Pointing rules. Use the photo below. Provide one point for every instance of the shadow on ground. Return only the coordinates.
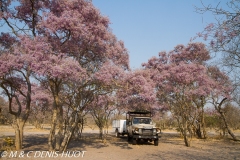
(36, 142)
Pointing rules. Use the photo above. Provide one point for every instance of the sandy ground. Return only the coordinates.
(171, 146)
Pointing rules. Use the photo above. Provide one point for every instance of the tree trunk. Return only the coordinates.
(186, 140)
(101, 132)
(200, 126)
(18, 143)
(21, 125)
(228, 128)
(183, 129)
(219, 109)
(68, 134)
(57, 118)
(81, 129)
(203, 126)
(59, 135)
(18, 127)
(51, 137)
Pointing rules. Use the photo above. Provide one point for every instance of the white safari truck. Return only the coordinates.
(119, 127)
(140, 127)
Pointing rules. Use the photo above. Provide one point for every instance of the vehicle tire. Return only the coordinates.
(117, 133)
(134, 141)
(129, 138)
(156, 142)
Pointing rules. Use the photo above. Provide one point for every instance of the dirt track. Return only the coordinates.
(171, 146)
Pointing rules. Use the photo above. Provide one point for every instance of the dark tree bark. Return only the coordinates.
(218, 107)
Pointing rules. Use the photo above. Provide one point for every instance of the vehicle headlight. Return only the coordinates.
(136, 130)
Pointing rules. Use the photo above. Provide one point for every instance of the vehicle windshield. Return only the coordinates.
(142, 121)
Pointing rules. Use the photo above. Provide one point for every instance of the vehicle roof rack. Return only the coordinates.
(140, 112)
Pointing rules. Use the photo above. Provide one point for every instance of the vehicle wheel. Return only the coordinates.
(134, 141)
(117, 133)
(156, 142)
(129, 138)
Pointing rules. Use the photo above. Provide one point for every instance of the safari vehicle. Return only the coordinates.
(140, 127)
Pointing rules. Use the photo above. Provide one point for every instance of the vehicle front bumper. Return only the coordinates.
(137, 136)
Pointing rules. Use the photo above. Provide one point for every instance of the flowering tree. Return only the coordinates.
(15, 81)
(182, 81)
(224, 37)
(63, 44)
(218, 97)
(224, 34)
(101, 109)
(137, 91)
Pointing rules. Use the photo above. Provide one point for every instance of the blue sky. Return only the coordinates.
(150, 26)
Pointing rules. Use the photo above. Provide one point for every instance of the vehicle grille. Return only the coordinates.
(147, 132)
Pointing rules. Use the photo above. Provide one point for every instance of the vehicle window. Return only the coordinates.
(135, 121)
(145, 121)
(142, 121)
